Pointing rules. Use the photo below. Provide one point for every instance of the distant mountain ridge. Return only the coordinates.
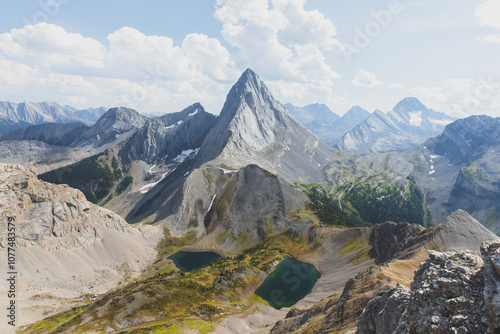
(409, 124)
(326, 124)
(458, 169)
(8, 124)
(48, 112)
(49, 133)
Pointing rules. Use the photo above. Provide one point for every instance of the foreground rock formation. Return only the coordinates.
(66, 248)
(445, 282)
(453, 292)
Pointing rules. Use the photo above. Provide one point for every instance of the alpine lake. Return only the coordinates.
(187, 260)
(291, 281)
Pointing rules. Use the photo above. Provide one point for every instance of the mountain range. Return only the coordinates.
(14, 116)
(328, 126)
(409, 124)
(256, 186)
(159, 154)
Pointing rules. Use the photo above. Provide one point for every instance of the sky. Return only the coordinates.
(160, 56)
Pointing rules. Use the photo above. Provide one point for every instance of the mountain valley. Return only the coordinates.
(122, 195)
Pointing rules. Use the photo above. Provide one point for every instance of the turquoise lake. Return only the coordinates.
(187, 261)
(291, 281)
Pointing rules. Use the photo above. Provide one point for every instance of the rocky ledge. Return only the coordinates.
(453, 292)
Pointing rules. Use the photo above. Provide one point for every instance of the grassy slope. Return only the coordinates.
(166, 299)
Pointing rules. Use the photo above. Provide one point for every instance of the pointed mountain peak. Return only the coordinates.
(249, 81)
(126, 117)
(122, 113)
(409, 104)
(357, 110)
(249, 91)
(248, 75)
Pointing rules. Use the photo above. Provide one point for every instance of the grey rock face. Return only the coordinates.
(465, 140)
(115, 123)
(382, 314)
(52, 216)
(50, 133)
(458, 170)
(255, 128)
(240, 203)
(446, 295)
(491, 293)
(461, 231)
(409, 124)
(248, 201)
(164, 138)
(390, 239)
(453, 292)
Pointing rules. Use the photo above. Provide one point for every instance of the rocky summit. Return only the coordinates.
(453, 292)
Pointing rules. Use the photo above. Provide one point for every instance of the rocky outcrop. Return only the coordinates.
(491, 293)
(66, 247)
(382, 314)
(53, 217)
(241, 204)
(390, 240)
(453, 292)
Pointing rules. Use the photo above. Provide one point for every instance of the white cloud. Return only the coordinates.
(282, 41)
(44, 62)
(366, 79)
(50, 45)
(489, 39)
(462, 97)
(306, 27)
(488, 14)
(206, 55)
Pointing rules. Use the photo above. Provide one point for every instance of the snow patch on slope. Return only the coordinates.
(416, 118)
(174, 125)
(191, 153)
(144, 189)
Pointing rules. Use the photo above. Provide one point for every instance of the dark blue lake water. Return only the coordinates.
(188, 261)
(291, 281)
